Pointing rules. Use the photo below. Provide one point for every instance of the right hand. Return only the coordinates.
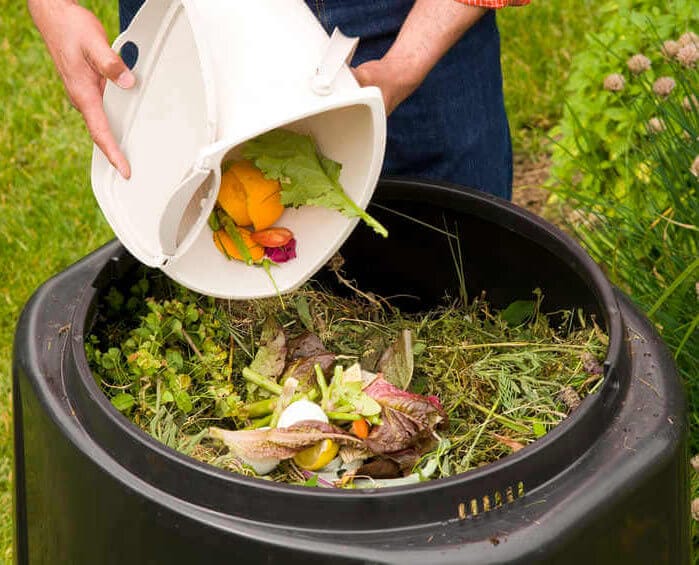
(80, 50)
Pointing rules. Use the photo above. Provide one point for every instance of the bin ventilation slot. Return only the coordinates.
(490, 501)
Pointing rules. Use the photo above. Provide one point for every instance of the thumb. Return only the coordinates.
(363, 75)
(107, 63)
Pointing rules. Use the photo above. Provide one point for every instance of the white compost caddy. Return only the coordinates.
(212, 74)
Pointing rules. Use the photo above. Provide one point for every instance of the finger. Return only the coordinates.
(90, 105)
(365, 77)
(107, 63)
(362, 75)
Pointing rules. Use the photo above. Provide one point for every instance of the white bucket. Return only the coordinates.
(212, 74)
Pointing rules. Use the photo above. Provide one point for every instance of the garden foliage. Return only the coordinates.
(615, 125)
(630, 138)
(627, 157)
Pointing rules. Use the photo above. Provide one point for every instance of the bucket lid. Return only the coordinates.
(182, 119)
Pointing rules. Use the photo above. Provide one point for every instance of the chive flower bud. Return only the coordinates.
(638, 64)
(656, 125)
(690, 103)
(614, 82)
(670, 48)
(664, 86)
(694, 169)
(688, 55)
(688, 38)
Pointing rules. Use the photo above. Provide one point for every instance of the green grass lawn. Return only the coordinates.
(49, 218)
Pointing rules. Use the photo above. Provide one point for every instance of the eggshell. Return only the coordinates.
(299, 411)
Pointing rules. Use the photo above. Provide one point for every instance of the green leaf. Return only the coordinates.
(539, 429)
(396, 363)
(306, 177)
(237, 239)
(304, 313)
(174, 359)
(312, 481)
(114, 298)
(123, 401)
(110, 359)
(270, 358)
(183, 401)
(518, 312)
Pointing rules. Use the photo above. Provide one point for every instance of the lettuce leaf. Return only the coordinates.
(271, 354)
(307, 178)
(280, 443)
(407, 418)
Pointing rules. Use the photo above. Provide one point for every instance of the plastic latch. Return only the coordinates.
(339, 51)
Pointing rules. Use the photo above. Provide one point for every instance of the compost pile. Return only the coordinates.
(346, 391)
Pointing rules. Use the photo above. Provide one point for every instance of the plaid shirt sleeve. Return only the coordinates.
(494, 3)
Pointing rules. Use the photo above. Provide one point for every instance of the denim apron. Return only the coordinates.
(453, 127)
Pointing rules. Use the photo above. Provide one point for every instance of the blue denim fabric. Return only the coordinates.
(127, 10)
(454, 127)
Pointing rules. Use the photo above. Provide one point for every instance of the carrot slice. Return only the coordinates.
(360, 428)
(272, 237)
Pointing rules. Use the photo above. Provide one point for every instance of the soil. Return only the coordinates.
(530, 174)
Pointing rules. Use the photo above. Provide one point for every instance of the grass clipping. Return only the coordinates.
(172, 362)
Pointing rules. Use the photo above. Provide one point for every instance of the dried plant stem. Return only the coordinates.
(191, 344)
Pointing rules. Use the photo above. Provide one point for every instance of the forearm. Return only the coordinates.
(429, 31)
(43, 11)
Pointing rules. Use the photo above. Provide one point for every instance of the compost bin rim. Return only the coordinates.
(601, 403)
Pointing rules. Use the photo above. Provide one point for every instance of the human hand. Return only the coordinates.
(79, 48)
(429, 31)
(396, 79)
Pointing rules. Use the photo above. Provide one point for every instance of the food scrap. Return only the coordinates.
(280, 169)
(337, 391)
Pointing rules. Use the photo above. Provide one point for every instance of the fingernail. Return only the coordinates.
(126, 79)
(124, 170)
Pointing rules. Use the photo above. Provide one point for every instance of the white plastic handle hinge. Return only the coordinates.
(339, 52)
(174, 212)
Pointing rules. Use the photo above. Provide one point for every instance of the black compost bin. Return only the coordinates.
(608, 485)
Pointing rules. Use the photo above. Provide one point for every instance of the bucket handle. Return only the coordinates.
(147, 20)
(171, 221)
(339, 52)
